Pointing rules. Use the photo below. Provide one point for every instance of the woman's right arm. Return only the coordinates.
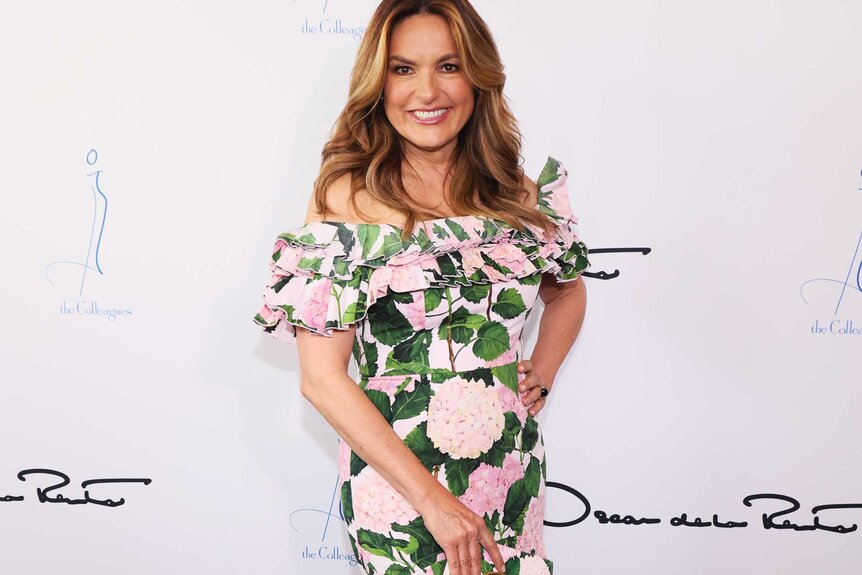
(326, 384)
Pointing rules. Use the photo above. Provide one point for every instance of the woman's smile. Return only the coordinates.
(430, 117)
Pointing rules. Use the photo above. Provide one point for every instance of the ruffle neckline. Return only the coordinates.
(339, 269)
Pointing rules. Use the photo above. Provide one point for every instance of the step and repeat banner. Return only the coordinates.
(707, 421)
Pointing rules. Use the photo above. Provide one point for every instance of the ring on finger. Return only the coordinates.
(544, 392)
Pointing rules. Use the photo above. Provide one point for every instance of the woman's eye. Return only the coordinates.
(401, 69)
(450, 67)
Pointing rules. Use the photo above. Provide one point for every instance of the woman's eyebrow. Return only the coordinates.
(404, 60)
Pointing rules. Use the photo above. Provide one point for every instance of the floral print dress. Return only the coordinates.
(438, 322)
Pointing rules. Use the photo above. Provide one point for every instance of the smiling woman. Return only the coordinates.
(424, 250)
(427, 98)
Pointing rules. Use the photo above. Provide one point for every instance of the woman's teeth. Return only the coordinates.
(429, 115)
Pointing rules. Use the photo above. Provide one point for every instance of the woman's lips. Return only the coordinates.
(430, 117)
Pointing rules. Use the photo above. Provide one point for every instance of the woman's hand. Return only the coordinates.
(531, 387)
(462, 534)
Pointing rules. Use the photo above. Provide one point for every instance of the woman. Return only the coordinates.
(424, 250)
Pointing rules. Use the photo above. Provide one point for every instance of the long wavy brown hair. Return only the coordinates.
(486, 175)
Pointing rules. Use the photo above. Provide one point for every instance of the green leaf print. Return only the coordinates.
(414, 348)
(448, 269)
(498, 451)
(389, 327)
(508, 375)
(531, 280)
(433, 297)
(353, 312)
(396, 569)
(418, 442)
(368, 363)
(515, 508)
(509, 304)
(530, 434)
(476, 293)
(458, 230)
(347, 502)
(549, 173)
(368, 234)
(312, 264)
(307, 239)
(492, 341)
(457, 323)
(428, 549)
(380, 401)
(513, 566)
(340, 266)
(458, 474)
(401, 297)
(357, 464)
(411, 404)
(376, 543)
(345, 237)
(439, 231)
(391, 244)
(532, 478)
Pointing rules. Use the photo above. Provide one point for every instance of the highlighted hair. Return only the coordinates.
(486, 162)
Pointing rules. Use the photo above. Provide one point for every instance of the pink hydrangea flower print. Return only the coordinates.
(489, 485)
(510, 256)
(397, 278)
(558, 200)
(534, 565)
(288, 257)
(464, 418)
(530, 539)
(315, 304)
(415, 310)
(388, 384)
(510, 401)
(471, 259)
(343, 460)
(376, 504)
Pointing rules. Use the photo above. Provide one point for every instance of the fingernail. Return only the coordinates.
(523, 388)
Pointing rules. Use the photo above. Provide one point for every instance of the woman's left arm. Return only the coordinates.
(562, 318)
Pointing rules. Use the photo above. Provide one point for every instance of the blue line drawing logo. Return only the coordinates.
(91, 263)
(851, 285)
(852, 280)
(324, 551)
(100, 213)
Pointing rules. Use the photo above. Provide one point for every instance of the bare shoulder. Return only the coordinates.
(337, 202)
(532, 190)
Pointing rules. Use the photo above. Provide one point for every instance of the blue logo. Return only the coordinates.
(843, 290)
(91, 265)
(314, 518)
(326, 23)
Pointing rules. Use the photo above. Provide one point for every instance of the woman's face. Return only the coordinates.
(427, 97)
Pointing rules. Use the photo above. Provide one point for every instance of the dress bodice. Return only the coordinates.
(328, 275)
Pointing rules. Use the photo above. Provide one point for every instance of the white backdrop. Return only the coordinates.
(150, 154)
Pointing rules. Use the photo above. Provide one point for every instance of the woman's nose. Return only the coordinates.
(427, 88)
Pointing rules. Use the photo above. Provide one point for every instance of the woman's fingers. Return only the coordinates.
(531, 390)
(487, 541)
(465, 559)
(453, 560)
(475, 557)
